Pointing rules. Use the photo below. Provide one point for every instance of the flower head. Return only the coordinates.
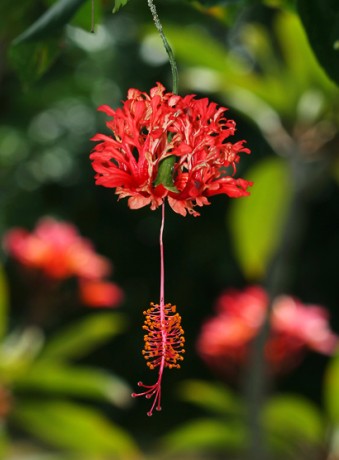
(167, 146)
(226, 338)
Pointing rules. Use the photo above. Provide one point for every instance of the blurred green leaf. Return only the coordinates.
(71, 426)
(205, 434)
(212, 397)
(293, 419)
(31, 60)
(75, 381)
(321, 22)
(119, 4)
(331, 389)
(57, 16)
(255, 221)
(3, 303)
(76, 340)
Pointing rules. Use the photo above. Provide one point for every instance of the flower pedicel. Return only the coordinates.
(164, 147)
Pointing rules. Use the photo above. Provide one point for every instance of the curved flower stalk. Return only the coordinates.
(167, 148)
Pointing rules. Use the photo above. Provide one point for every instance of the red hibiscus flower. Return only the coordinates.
(167, 146)
(225, 339)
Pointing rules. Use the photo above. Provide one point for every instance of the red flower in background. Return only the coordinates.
(168, 146)
(58, 251)
(225, 339)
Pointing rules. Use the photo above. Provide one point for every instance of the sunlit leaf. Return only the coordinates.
(212, 397)
(306, 72)
(331, 390)
(78, 339)
(255, 221)
(71, 426)
(321, 22)
(3, 303)
(57, 16)
(205, 434)
(74, 381)
(293, 419)
(119, 4)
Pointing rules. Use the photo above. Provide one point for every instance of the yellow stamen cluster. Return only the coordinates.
(164, 341)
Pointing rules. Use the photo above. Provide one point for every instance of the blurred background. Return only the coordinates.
(70, 353)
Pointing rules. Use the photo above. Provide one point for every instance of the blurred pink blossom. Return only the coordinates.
(57, 249)
(225, 339)
(59, 252)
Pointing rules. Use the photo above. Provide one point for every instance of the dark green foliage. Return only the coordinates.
(321, 21)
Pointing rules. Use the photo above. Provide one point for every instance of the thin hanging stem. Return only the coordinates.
(167, 47)
(162, 259)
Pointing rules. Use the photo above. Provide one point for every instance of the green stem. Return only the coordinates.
(167, 47)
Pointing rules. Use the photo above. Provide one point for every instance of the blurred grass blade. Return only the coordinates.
(3, 303)
(212, 397)
(70, 426)
(56, 17)
(205, 435)
(76, 340)
(75, 381)
(255, 221)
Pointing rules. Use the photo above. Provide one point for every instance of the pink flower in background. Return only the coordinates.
(57, 249)
(225, 339)
(192, 134)
(59, 252)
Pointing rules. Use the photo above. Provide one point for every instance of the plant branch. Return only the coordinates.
(167, 47)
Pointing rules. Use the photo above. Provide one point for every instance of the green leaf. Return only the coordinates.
(78, 339)
(293, 419)
(56, 17)
(3, 303)
(205, 435)
(165, 174)
(119, 4)
(321, 21)
(255, 221)
(73, 427)
(74, 381)
(31, 60)
(212, 397)
(331, 393)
